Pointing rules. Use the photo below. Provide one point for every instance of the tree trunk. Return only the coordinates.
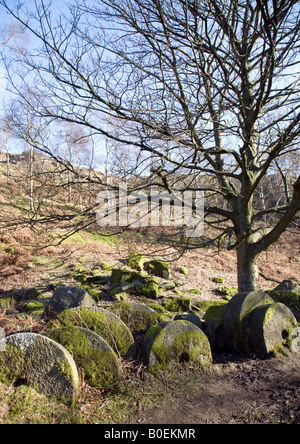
(7, 167)
(247, 268)
(31, 178)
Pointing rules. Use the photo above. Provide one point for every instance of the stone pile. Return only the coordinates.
(84, 338)
(92, 339)
(251, 322)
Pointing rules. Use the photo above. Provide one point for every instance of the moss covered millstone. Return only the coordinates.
(102, 322)
(190, 317)
(41, 362)
(213, 326)
(138, 317)
(235, 311)
(65, 298)
(91, 353)
(175, 342)
(269, 329)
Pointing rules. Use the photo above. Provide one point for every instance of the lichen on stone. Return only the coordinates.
(136, 261)
(102, 322)
(178, 305)
(175, 342)
(91, 353)
(159, 268)
(13, 365)
(138, 317)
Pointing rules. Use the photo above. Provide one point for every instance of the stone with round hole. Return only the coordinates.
(269, 329)
(175, 342)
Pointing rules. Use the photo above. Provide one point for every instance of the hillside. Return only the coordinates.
(236, 389)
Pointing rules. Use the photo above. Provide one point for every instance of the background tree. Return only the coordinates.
(210, 89)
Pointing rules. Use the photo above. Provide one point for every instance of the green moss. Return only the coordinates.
(215, 312)
(269, 314)
(119, 275)
(9, 250)
(79, 269)
(106, 266)
(65, 369)
(292, 300)
(200, 346)
(87, 277)
(227, 292)
(118, 294)
(100, 367)
(136, 316)
(251, 305)
(150, 290)
(7, 302)
(85, 238)
(159, 268)
(154, 332)
(112, 330)
(187, 346)
(42, 260)
(32, 306)
(194, 291)
(13, 365)
(136, 261)
(180, 293)
(157, 307)
(178, 305)
(205, 305)
(27, 406)
(218, 280)
(96, 294)
(137, 283)
(280, 350)
(183, 270)
(104, 238)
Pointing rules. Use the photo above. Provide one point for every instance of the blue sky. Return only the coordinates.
(6, 20)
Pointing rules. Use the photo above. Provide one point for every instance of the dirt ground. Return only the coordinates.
(239, 390)
(281, 261)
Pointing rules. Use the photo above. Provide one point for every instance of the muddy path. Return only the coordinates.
(239, 390)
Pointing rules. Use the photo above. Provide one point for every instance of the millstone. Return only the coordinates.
(41, 362)
(269, 328)
(102, 322)
(91, 353)
(138, 317)
(235, 311)
(174, 342)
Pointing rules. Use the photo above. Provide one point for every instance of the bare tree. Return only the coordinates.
(4, 137)
(206, 88)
